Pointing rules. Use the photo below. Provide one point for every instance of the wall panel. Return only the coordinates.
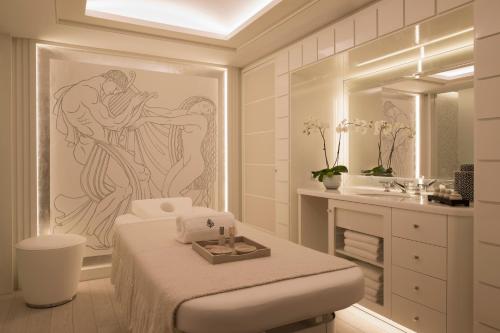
(487, 165)
(6, 220)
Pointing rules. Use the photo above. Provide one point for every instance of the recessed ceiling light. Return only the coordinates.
(456, 73)
(220, 19)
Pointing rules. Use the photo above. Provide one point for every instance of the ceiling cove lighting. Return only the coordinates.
(220, 19)
(456, 73)
(437, 40)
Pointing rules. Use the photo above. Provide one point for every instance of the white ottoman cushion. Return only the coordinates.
(49, 268)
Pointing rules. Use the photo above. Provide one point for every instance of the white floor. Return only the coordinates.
(94, 310)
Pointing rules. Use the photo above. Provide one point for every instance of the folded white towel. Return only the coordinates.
(371, 272)
(374, 292)
(378, 300)
(372, 284)
(362, 237)
(363, 246)
(194, 226)
(361, 253)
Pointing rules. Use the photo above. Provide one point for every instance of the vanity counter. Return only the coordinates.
(375, 196)
(423, 251)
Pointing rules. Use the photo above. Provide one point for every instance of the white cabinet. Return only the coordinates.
(295, 56)
(422, 227)
(444, 5)
(326, 43)
(419, 257)
(419, 10)
(309, 50)
(486, 95)
(486, 53)
(344, 34)
(486, 14)
(417, 317)
(258, 92)
(426, 259)
(282, 85)
(390, 16)
(365, 25)
(281, 63)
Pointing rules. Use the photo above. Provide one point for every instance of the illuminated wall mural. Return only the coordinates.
(118, 135)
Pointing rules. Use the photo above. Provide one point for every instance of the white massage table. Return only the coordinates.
(305, 304)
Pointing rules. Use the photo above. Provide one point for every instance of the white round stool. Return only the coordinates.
(49, 268)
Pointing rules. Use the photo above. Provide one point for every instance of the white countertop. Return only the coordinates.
(395, 199)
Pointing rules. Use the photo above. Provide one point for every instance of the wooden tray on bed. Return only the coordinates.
(215, 259)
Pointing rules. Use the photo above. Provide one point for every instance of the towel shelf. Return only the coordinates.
(353, 256)
(425, 261)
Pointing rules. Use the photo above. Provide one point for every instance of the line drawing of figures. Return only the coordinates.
(193, 174)
(129, 151)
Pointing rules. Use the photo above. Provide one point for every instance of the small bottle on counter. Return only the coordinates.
(222, 237)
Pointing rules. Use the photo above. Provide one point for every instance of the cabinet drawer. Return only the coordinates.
(422, 227)
(417, 317)
(368, 219)
(423, 258)
(420, 288)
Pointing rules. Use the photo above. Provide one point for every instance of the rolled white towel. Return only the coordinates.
(369, 283)
(194, 226)
(161, 207)
(361, 253)
(362, 237)
(363, 246)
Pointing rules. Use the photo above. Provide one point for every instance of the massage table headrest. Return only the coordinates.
(162, 207)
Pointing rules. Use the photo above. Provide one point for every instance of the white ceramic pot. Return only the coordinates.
(332, 182)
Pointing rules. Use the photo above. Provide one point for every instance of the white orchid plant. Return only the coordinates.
(381, 128)
(312, 126)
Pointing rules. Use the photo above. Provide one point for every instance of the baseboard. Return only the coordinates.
(94, 272)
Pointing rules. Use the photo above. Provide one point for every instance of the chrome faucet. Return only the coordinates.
(400, 186)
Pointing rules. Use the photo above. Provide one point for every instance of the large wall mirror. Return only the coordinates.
(419, 77)
(412, 94)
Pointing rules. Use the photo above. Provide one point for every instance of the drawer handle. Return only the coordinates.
(416, 257)
(416, 318)
(416, 226)
(416, 288)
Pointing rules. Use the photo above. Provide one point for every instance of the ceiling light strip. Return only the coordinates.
(440, 39)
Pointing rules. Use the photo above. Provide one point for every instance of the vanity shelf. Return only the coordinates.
(353, 256)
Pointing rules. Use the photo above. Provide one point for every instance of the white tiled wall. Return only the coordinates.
(444, 5)
(310, 50)
(295, 56)
(487, 167)
(390, 16)
(419, 10)
(344, 34)
(326, 42)
(378, 19)
(365, 25)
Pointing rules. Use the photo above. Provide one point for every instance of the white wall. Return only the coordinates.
(487, 167)
(5, 167)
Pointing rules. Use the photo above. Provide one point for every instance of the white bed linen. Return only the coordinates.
(253, 305)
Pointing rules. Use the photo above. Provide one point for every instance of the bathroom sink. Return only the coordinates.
(387, 194)
(375, 192)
